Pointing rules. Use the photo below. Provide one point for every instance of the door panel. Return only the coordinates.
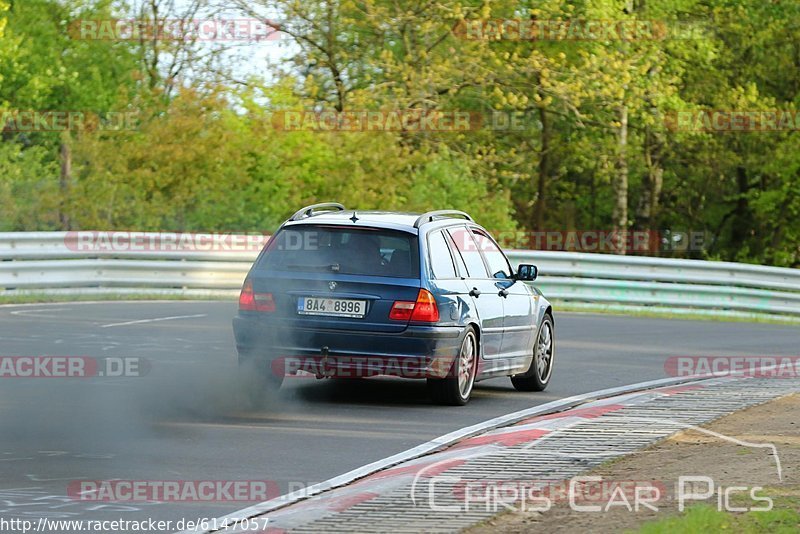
(519, 322)
(490, 311)
(488, 303)
(517, 304)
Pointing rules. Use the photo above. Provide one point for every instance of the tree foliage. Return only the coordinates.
(596, 149)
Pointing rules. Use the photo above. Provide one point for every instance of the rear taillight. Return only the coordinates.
(423, 310)
(249, 300)
(402, 310)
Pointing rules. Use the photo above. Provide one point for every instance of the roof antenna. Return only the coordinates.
(354, 218)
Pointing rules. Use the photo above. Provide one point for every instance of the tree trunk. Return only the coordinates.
(741, 216)
(620, 183)
(65, 179)
(647, 209)
(545, 169)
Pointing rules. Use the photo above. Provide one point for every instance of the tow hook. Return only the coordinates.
(323, 364)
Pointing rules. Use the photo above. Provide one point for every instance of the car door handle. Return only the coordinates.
(503, 293)
(474, 292)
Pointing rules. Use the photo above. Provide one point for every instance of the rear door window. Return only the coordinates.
(461, 268)
(441, 260)
(344, 250)
(468, 249)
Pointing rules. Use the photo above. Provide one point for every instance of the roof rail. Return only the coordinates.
(429, 216)
(308, 211)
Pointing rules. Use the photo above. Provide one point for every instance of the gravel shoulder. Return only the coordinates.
(690, 453)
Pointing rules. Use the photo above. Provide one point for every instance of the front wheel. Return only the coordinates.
(538, 374)
(456, 388)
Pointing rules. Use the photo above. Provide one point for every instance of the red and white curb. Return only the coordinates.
(450, 450)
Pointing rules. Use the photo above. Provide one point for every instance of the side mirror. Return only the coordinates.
(527, 272)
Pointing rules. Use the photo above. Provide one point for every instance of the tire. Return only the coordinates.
(537, 377)
(456, 388)
(257, 385)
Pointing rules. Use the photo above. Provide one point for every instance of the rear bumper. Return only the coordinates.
(417, 352)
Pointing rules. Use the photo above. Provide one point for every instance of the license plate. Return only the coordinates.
(332, 307)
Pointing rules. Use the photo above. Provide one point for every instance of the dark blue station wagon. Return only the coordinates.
(343, 293)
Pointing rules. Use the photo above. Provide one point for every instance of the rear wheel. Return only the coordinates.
(538, 374)
(456, 388)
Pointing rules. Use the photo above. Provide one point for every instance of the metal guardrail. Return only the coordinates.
(676, 284)
(51, 263)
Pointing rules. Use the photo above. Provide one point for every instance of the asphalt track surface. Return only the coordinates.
(182, 422)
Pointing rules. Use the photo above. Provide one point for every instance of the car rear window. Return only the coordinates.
(345, 250)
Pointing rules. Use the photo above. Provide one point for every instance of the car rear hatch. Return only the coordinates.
(337, 277)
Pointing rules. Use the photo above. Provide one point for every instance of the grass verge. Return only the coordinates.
(666, 313)
(783, 518)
